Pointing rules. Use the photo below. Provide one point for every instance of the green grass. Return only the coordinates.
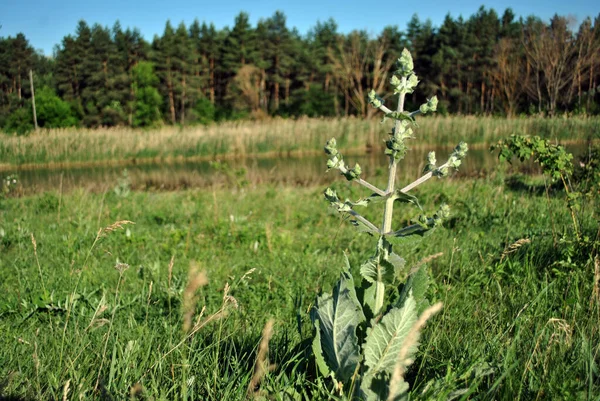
(519, 326)
(81, 147)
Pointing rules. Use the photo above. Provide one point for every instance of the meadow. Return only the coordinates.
(114, 293)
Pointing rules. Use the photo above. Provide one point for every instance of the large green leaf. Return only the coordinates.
(318, 351)
(336, 317)
(384, 265)
(378, 389)
(416, 284)
(384, 341)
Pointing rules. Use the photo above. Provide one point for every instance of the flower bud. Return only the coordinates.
(405, 64)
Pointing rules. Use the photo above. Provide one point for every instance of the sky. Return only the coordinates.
(46, 22)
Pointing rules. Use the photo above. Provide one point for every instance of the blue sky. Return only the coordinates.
(46, 22)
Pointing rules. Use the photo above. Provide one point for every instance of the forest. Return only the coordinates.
(486, 64)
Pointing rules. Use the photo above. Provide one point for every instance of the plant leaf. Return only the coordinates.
(383, 266)
(417, 285)
(384, 341)
(400, 196)
(318, 351)
(378, 388)
(338, 316)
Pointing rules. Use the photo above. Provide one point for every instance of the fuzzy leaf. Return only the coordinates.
(369, 300)
(417, 285)
(318, 351)
(378, 388)
(384, 265)
(400, 196)
(384, 341)
(401, 116)
(376, 269)
(398, 262)
(338, 316)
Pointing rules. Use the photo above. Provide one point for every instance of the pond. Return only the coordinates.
(302, 171)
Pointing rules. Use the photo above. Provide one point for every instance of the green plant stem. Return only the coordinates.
(389, 203)
(575, 224)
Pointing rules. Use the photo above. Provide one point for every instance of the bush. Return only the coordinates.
(52, 111)
(20, 121)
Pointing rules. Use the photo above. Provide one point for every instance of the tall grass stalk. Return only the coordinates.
(121, 268)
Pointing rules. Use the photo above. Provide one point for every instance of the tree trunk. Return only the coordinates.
(276, 96)
(482, 98)
(183, 87)
(35, 124)
(19, 85)
(212, 80)
(346, 105)
(170, 90)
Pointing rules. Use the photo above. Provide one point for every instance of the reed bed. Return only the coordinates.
(274, 137)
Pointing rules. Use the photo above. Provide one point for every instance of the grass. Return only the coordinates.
(207, 269)
(122, 146)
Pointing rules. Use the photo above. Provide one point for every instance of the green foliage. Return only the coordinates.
(20, 122)
(52, 111)
(205, 111)
(366, 363)
(555, 161)
(147, 98)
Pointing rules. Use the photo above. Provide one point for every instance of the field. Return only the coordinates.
(116, 294)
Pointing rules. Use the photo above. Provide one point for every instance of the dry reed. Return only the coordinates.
(262, 366)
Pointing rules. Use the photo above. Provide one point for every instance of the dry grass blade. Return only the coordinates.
(37, 260)
(261, 367)
(117, 225)
(409, 342)
(513, 247)
(596, 287)
(170, 270)
(66, 390)
(221, 313)
(196, 279)
(425, 260)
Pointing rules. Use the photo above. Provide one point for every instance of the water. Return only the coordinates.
(277, 170)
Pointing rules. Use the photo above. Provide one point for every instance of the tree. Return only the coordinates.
(360, 64)
(163, 56)
(22, 56)
(278, 48)
(551, 51)
(508, 74)
(147, 97)
(131, 49)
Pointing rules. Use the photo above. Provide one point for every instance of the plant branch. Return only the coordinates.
(363, 220)
(370, 186)
(421, 180)
(384, 109)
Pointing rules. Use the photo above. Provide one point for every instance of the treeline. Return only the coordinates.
(486, 64)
